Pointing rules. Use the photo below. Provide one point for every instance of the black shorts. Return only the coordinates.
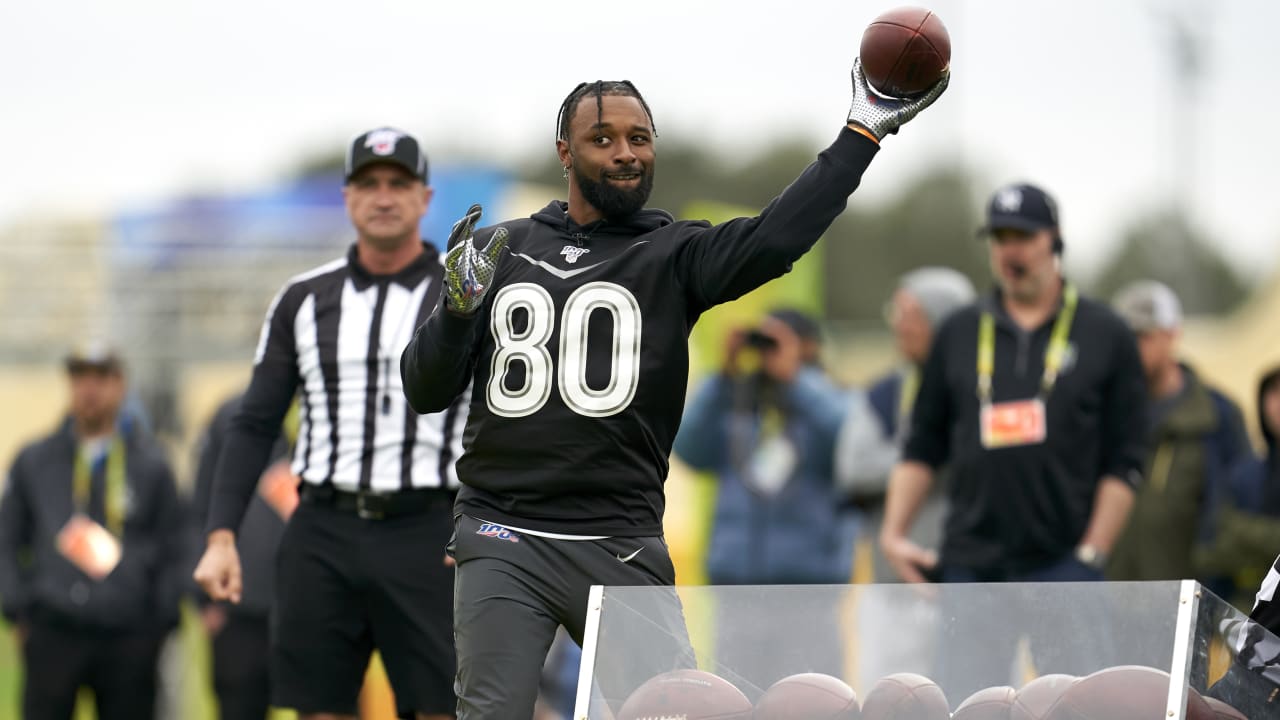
(514, 590)
(346, 585)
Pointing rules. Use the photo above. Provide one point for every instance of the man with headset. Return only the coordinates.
(1034, 397)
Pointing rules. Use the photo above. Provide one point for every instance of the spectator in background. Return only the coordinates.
(1195, 435)
(90, 553)
(871, 440)
(1247, 527)
(769, 435)
(239, 633)
(1033, 398)
(1256, 480)
(876, 423)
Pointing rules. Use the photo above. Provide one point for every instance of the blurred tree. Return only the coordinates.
(931, 222)
(320, 165)
(1163, 246)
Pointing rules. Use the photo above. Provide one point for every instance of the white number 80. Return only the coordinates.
(529, 348)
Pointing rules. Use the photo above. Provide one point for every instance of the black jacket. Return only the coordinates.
(37, 581)
(580, 353)
(1017, 509)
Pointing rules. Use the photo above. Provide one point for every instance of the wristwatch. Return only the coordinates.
(1091, 556)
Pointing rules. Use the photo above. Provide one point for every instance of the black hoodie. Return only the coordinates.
(580, 357)
(1270, 465)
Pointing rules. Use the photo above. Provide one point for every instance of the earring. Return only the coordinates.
(566, 171)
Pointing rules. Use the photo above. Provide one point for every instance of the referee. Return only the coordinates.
(361, 564)
(1252, 681)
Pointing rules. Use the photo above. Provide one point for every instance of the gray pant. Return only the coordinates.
(514, 590)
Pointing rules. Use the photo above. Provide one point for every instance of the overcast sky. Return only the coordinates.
(110, 105)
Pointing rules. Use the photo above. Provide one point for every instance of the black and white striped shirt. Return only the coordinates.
(1262, 652)
(1266, 606)
(1256, 642)
(334, 335)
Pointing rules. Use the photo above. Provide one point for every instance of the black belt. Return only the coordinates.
(371, 505)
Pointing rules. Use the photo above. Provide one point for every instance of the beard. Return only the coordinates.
(613, 202)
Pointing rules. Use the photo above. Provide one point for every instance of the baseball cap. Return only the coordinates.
(1148, 305)
(801, 323)
(939, 290)
(1020, 206)
(386, 145)
(94, 354)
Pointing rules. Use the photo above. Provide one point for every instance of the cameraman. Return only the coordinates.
(769, 434)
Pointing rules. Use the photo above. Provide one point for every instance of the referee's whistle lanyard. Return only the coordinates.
(1021, 422)
(113, 500)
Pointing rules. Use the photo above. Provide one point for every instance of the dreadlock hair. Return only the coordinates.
(599, 89)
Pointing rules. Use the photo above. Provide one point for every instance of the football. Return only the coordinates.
(1037, 697)
(689, 694)
(808, 696)
(1124, 692)
(991, 703)
(904, 51)
(905, 696)
(1223, 711)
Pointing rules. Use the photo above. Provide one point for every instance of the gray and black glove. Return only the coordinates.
(468, 271)
(882, 115)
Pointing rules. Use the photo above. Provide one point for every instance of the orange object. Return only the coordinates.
(1013, 423)
(279, 488)
(87, 544)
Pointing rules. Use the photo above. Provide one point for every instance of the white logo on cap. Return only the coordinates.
(1009, 200)
(383, 142)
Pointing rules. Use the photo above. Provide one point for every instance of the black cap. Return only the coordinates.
(386, 145)
(800, 322)
(1021, 206)
(94, 355)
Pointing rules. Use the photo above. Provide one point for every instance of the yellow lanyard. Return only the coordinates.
(907, 393)
(113, 500)
(1053, 355)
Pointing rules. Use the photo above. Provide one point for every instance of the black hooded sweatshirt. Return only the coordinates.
(579, 354)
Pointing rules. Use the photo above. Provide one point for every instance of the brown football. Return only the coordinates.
(905, 696)
(691, 694)
(808, 696)
(993, 703)
(904, 51)
(1124, 692)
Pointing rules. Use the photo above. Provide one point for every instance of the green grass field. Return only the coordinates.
(9, 673)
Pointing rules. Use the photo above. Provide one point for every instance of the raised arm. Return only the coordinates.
(723, 262)
(438, 363)
(440, 360)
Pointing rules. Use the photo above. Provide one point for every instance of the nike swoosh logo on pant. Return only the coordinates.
(632, 555)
